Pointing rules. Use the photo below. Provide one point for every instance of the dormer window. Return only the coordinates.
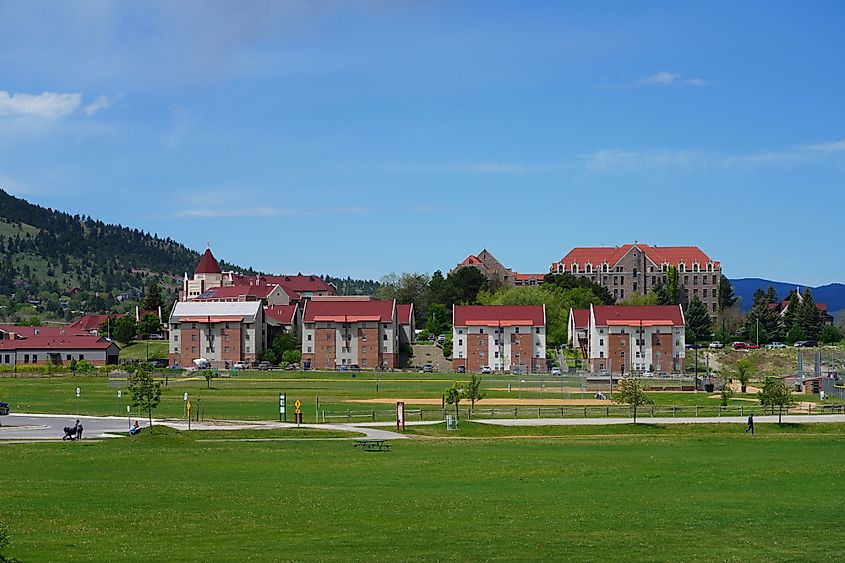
(710, 266)
(588, 267)
(695, 267)
(665, 267)
(682, 267)
(574, 267)
(560, 268)
(604, 267)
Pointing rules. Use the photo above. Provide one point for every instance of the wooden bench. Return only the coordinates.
(372, 445)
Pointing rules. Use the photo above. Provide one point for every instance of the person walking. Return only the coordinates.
(78, 430)
(750, 424)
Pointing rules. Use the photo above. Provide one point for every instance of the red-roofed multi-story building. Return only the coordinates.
(578, 329)
(487, 264)
(636, 268)
(503, 337)
(627, 339)
(351, 331)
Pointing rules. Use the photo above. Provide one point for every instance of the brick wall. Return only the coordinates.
(661, 347)
(368, 348)
(477, 348)
(325, 349)
(618, 352)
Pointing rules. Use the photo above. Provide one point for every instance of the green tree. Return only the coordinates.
(566, 280)
(775, 393)
(727, 299)
(447, 345)
(650, 298)
(673, 287)
(762, 317)
(809, 317)
(787, 321)
(699, 324)
(437, 322)
(208, 374)
(454, 394)
(744, 368)
(462, 287)
(150, 324)
(725, 394)
(472, 392)
(661, 293)
(152, 297)
(144, 390)
(795, 334)
(407, 288)
(631, 392)
(830, 334)
(4, 543)
(124, 329)
(292, 357)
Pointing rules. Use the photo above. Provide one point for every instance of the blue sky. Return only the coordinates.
(361, 138)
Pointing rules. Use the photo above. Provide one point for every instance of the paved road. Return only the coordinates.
(39, 427)
(808, 419)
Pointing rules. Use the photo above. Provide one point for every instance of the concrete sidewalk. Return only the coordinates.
(791, 418)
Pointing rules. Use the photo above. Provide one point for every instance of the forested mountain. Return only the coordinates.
(832, 295)
(61, 263)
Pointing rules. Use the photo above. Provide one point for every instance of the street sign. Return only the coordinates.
(185, 398)
(283, 399)
(119, 394)
(77, 391)
(188, 406)
(128, 409)
(298, 405)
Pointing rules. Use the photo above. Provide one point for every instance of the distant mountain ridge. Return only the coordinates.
(832, 294)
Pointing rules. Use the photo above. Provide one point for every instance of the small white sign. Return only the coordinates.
(77, 391)
(127, 409)
(185, 398)
(119, 394)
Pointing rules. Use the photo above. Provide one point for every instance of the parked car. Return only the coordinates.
(486, 369)
(744, 346)
(462, 369)
(241, 365)
(806, 344)
(354, 367)
(556, 371)
(716, 345)
(156, 337)
(775, 345)
(693, 346)
(265, 365)
(158, 363)
(428, 368)
(4, 408)
(648, 374)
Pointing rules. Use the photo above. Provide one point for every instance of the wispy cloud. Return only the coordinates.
(668, 78)
(621, 160)
(212, 213)
(48, 105)
(466, 168)
(101, 103)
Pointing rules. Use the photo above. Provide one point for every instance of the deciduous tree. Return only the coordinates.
(631, 392)
(144, 390)
(775, 393)
(473, 392)
(454, 394)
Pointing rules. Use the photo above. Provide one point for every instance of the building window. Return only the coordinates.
(615, 280)
(601, 354)
(480, 331)
(193, 338)
(714, 279)
(516, 330)
(495, 354)
(226, 349)
(81, 356)
(67, 357)
(308, 350)
(622, 293)
(686, 280)
(635, 286)
(481, 342)
(621, 280)
(308, 337)
(175, 338)
(460, 341)
(601, 341)
(460, 331)
(695, 280)
(384, 337)
(364, 361)
(193, 349)
(226, 338)
(537, 330)
(26, 358)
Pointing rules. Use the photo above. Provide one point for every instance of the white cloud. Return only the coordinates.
(621, 160)
(100, 103)
(48, 105)
(668, 78)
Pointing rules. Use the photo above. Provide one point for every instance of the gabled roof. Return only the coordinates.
(343, 311)
(581, 317)
(403, 313)
(215, 309)
(673, 255)
(470, 261)
(91, 322)
(499, 315)
(208, 264)
(66, 342)
(297, 284)
(631, 315)
(238, 291)
(30, 331)
(282, 314)
(526, 277)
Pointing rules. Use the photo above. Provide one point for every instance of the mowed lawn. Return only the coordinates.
(670, 495)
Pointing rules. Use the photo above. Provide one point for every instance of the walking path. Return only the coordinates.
(48, 427)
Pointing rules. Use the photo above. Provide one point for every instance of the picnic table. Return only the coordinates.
(372, 445)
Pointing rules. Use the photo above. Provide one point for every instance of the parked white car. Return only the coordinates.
(556, 371)
(241, 365)
(716, 345)
(485, 369)
(775, 345)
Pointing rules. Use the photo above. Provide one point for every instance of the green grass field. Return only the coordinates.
(651, 493)
(144, 349)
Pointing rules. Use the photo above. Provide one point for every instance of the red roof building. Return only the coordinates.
(19, 332)
(90, 324)
(503, 337)
(57, 350)
(208, 264)
(487, 264)
(640, 339)
(637, 268)
(342, 332)
(578, 329)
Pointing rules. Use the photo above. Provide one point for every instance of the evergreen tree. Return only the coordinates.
(699, 324)
(662, 293)
(673, 287)
(152, 297)
(727, 299)
(762, 320)
(787, 320)
(772, 295)
(809, 317)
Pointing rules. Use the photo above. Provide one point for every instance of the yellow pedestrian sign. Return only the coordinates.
(298, 405)
(188, 406)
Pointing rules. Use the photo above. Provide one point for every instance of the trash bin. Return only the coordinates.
(709, 387)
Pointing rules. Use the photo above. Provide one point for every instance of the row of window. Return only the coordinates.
(7, 358)
(588, 268)
(498, 330)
